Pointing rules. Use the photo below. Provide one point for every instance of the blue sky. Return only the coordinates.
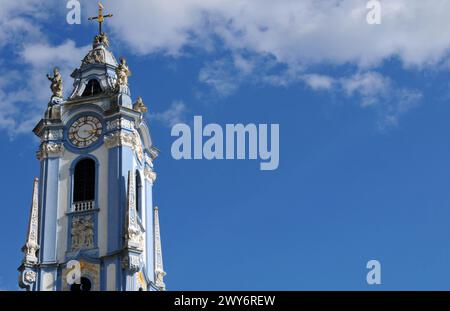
(364, 147)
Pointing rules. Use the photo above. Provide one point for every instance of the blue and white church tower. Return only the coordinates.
(92, 224)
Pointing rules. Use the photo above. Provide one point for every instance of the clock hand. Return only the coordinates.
(92, 132)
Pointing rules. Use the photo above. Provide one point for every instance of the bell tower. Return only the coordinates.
(92, 224)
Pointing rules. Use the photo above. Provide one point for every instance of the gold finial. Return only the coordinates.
(100, 18)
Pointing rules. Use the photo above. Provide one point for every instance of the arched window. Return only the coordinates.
(84, 181)
(138, 193)
(92, 88)
(84, 286)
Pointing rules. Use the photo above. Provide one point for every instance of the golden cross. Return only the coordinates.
(100, 18)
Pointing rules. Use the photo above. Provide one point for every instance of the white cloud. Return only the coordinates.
(176, 113)
(221, 76)
(39, 59)
(318, 82)
(24, 94)
(305, 32)
(275, 42)
(20, 20)
(66, 54)
(372, 90)
(24, 89)
(297, 35)
(369, 88)
(401, 102)
(369, 85)
(381, 93)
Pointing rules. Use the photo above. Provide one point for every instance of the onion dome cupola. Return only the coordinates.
(101, 74)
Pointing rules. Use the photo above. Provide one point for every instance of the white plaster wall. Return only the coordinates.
(111, 277)
(48, 281)
(144, 214)
(64, 193)
(102, 156)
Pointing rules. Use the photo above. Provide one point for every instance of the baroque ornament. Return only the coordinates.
(49, 150)
(121, 138)
(134, 238)
(94, 56)
(82, 232)
(120, 123)
(131, 262)
(149, 174)
(53, 135)
(148, 160)
(137, 146)
(101, 39)
(30, 276)
(159, 279)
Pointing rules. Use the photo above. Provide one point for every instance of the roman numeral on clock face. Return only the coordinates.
(85, 131)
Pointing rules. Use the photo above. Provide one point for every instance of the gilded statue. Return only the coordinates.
(101, 38)
(122, 72)
(139, 105)
(56, 85)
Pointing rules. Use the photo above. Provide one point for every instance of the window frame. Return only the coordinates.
(84, 176)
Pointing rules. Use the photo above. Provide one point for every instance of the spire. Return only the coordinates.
(27, 269)
(31, 246)
(133, 234)
(134, 239)
(159, 268)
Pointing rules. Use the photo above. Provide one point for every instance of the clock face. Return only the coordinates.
(85, 131)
